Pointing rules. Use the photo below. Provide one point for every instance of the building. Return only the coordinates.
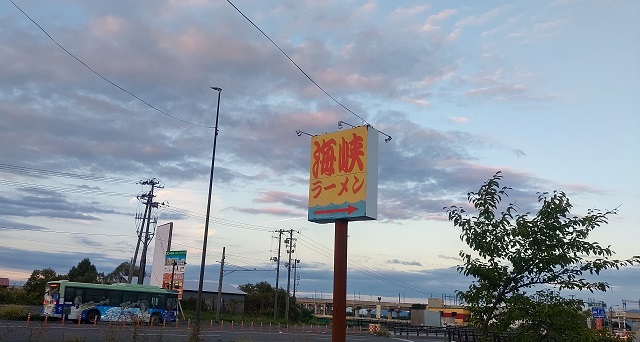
(232, 297)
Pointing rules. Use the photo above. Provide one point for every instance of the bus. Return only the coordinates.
(112, 303)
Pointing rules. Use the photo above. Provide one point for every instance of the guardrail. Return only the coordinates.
(451, 333)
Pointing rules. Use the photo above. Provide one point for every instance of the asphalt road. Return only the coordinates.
(103, 332)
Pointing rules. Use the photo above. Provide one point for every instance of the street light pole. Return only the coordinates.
(206, 225)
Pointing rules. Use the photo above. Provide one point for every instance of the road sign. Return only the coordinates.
(598, 312)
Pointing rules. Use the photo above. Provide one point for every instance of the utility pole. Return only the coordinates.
(135, 254)
(290, 242)
(145, 227)
(277, 260)
(219, 303)
(148, 236)
(295, 276)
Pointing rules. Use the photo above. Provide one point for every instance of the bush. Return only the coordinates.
(190, 304)
(382, 333)
(13, 312)
(14, 296)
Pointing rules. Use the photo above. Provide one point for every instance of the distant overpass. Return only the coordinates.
(324, 307)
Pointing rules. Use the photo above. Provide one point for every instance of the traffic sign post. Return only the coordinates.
(598, 312)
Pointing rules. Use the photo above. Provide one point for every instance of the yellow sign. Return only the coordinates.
(344, 175)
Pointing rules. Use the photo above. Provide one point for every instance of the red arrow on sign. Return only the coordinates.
(349, 210)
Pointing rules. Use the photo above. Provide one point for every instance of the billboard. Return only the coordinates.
(173, 277)
(343, 182)
(161, 246)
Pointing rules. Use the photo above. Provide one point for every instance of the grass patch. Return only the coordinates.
(14, 312)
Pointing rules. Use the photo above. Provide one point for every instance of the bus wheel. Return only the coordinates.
(93, 315)
(156, 319)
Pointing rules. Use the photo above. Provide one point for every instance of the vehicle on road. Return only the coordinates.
(113, 303)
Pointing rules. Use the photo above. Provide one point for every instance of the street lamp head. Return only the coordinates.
(216, 88)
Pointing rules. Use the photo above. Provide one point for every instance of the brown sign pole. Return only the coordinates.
(339, 331)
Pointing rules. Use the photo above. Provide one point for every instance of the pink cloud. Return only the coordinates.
(458, 119)
(107, 26)
(402, 13)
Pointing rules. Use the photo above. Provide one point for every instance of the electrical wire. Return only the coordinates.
(228, 223)
(84, 191)
(103, 77)
(63, 232)
(48, 173)
(304, 240)
(320, 249)
(296, 64)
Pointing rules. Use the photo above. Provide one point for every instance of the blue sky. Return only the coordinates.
(546, 92)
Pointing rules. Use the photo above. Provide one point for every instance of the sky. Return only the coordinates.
(96, 97)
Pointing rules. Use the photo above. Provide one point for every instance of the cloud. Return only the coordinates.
(49, 204)
(550, 25)
(281, 197)
(403, 263)
(60, 262)
(519, 153)
(458, 119)
(268, 211)
(403, 13)
(446, 257)
(421, 103)
(482, 18)
(503, 91)
(397, 70)
(582, 189)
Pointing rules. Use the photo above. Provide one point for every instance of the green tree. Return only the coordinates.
(260, 298)
(120, 274)
(515, 253)
(34, 286)
(14, 295)
(546, 316)
(84, 272)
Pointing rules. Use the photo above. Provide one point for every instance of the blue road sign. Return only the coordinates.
(598, 312)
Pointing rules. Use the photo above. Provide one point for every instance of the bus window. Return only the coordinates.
(143, 297)
(157, 301)
(172, 302)
(73, 295)
(114, 297)
(94, 295)
(129, 299)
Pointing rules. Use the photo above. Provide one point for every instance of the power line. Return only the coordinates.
(47, 243)
(297, 66)
(37, 230)
(314, 246)
(320, 249)
(311, 244)
(85, 191)
(103, 77)
(48, 173)
(308, 242)
(226, 222)
(62, 232)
